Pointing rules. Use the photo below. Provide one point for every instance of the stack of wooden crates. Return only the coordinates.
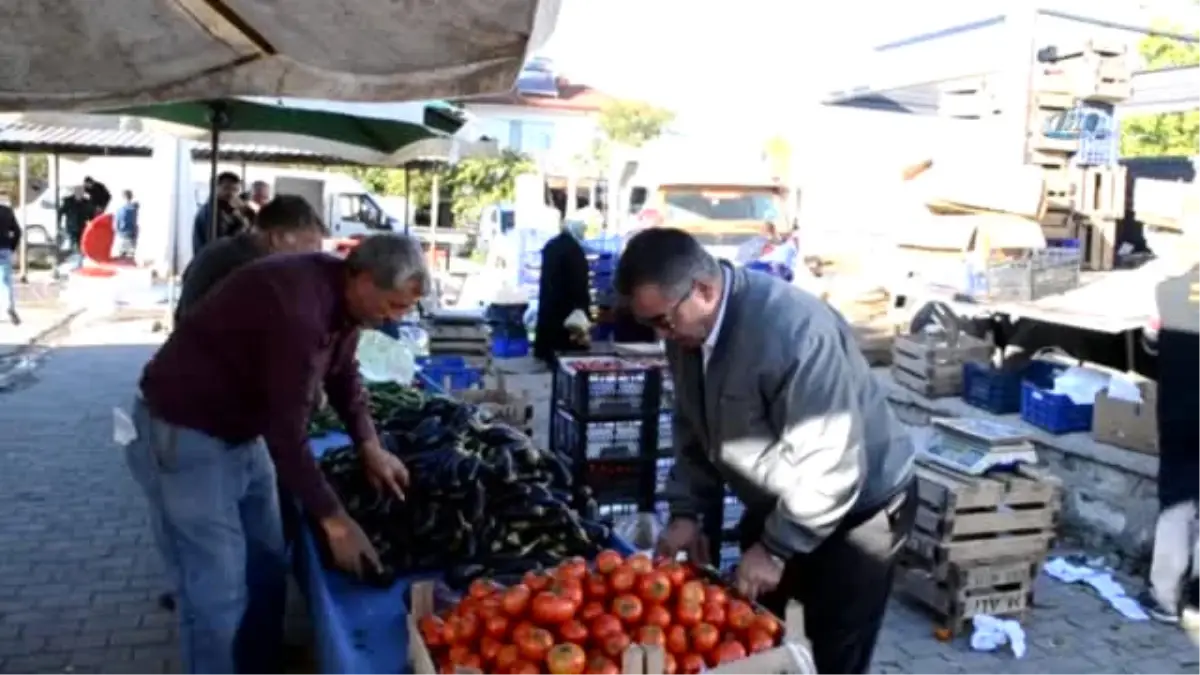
(1073, 136)
(978, 543)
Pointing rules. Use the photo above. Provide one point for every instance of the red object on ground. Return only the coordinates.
(96, 246)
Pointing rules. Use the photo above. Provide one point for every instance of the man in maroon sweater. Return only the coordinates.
(224, 406)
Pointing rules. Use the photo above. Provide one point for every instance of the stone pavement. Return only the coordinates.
(79, 575)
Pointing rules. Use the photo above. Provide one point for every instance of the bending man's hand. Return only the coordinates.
(385, 471)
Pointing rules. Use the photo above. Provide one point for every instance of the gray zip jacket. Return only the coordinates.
(787, 414)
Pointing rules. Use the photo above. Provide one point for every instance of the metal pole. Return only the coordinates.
(23, 189)
(407, 197)
(218, 119)
(56, 189)
(433, 221)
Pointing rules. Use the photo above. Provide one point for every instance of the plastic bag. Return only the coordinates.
(641, 530)
(578, 320)
(382, 359)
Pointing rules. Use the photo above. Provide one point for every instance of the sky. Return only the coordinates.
(773, 54)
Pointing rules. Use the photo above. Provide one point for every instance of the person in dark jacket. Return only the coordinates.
(1172, 582)
(229, 218)
(562, 289)
(75, 212)
(10, 238)
(97, 194)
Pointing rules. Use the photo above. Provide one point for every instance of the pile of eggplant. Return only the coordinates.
(482, 500)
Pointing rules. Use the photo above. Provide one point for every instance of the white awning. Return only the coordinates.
(96, 54)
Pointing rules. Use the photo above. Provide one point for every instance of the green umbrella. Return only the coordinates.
(370, 134)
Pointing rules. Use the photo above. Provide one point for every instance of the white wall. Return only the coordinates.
(531, 130)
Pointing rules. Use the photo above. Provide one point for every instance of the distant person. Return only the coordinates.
(562, 289)
(126, 226)
(254, 199)
(287, 224)
(99, 195)
(74, 213)
(229, 219)
(10, 238)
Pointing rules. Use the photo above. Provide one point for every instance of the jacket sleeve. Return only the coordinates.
(200, 229)
(576, 277)
(817, 466)
(344, 387)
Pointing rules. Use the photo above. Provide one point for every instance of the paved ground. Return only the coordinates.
(78, 576)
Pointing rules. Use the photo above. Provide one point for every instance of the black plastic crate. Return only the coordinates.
(606, 387)
(604, 439)
(616, 480)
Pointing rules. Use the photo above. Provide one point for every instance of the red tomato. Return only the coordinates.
(575, 568)
(691, 664)
(489, 647)
(622, 580)
(551, 609)
(536, 645)
(715, 614)
(657, 615)
(651, 635)
(489, 607)
(445, 667)
(716, 594)
(452, 631)
(432, 630)
(692, 591)
(570, 589)
(628, 608)
(704, 637)
(602, 665)
(614, 645)
(677, 640)
(590, 611)
(496, 627)
(670, 665)
(675, 573)
(604, 625)
(608, 561)
(524, 668)
(566, 659)
(729, 651)
(516, 600)
(506, 657)
(471, 661)
(769, 624)
(640, 563)
(596, 587)
(468, 629)
(521, 631)
(458, 654)
(757, 640)
(739, 615)
(573, 631)
(535, 581)
(688, 614)
(654, 587)
(482, 588)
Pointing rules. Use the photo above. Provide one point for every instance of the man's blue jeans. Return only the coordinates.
(215, 516)
(8, 291)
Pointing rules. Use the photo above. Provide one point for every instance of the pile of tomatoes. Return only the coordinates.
(580, 619)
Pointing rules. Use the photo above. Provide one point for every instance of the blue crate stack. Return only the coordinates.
(602, 254)
(1099, 135)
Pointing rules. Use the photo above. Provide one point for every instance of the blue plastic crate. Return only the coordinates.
(609, 243)
(1055, 413)
(510, 346)
(450, 372)
(996, 391)
(1099, 135)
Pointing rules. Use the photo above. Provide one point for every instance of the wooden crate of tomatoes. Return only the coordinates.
(617, 615)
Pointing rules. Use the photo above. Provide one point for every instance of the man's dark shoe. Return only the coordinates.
(1156, 610)
(14, 317)
(167, 602)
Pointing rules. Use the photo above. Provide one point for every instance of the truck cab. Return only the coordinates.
(723, 217)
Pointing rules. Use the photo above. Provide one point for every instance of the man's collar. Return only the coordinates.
(710, 342)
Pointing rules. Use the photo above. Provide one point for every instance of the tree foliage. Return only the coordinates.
(633, 124)
(479, 181)
(1174, 133)
(38, 177)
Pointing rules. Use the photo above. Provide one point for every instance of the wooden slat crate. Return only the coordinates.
(932, 366)
(1055, 101)
(1049, 160)
(966, 519)
(1102, 192)
(1003, 589)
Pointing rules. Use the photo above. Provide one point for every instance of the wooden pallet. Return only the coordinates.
(963, 520)
(932, 366)
(1002, 590)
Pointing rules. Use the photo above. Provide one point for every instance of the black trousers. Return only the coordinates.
(844, 584)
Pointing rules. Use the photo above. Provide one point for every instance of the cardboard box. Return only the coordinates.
(1125, 424)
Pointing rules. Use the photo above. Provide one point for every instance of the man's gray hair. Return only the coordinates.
(665, 257)
(391, 260)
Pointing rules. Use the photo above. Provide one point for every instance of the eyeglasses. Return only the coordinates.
(666, 320)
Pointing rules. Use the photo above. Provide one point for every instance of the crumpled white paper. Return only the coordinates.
(1080, 384)
(991, 632)
(1102, 581)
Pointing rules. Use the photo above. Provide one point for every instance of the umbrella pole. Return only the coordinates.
(218, 118)
(407, 197)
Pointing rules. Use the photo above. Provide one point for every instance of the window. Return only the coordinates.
(357, 208)
(530, 137)
(720, 205)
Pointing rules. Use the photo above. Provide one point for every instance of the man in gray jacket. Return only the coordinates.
(773, 398)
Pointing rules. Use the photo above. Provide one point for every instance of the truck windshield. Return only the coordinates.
(719, 205)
